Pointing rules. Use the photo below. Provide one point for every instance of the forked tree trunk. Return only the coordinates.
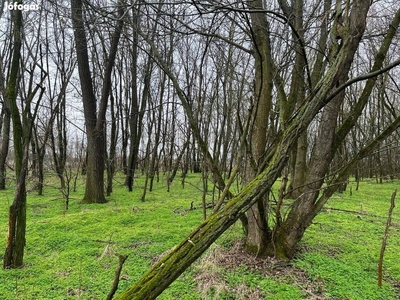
(14, 253)
(258, 232)
(287, 236)
(22, 128)
(307, 206)
(95, 113)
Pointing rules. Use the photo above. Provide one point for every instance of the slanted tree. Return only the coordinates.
(326, 92)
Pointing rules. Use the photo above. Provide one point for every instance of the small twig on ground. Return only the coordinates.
(121, 261)
(103, 241)
(358, 212)
(385, 236)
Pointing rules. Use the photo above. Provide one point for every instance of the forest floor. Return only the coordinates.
(71, 254)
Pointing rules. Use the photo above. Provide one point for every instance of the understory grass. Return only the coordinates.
(70, 254)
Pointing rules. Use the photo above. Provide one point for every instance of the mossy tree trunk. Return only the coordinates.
(5, 141)
(22, 122)
(258, 232)
(14, 253)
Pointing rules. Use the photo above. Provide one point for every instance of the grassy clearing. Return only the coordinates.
(70, 254)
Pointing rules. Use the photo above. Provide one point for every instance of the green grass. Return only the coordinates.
(345, 246)
(70, 254)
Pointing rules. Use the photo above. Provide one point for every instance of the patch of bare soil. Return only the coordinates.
(211, 283)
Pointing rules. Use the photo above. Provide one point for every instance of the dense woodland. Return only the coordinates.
(243, 92)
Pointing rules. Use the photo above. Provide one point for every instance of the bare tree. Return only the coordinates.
(22, 121)
(327, 95)
(95, 114)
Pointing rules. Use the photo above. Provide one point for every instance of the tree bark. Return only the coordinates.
(4, 146)
(22, 129)
(258, 232)
(14, 253)
(94, 120)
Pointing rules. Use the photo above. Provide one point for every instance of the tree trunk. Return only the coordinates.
(258, 232)
(112, 152)
(14, 253)
(290, 233)
(22, 129)
(94, 189)
(297, 95)
(4, 147)
(94, 120)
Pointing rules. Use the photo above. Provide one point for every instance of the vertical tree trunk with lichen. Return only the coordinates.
(257, 231)
(14, 253)
(22, 123)
(4, 145)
